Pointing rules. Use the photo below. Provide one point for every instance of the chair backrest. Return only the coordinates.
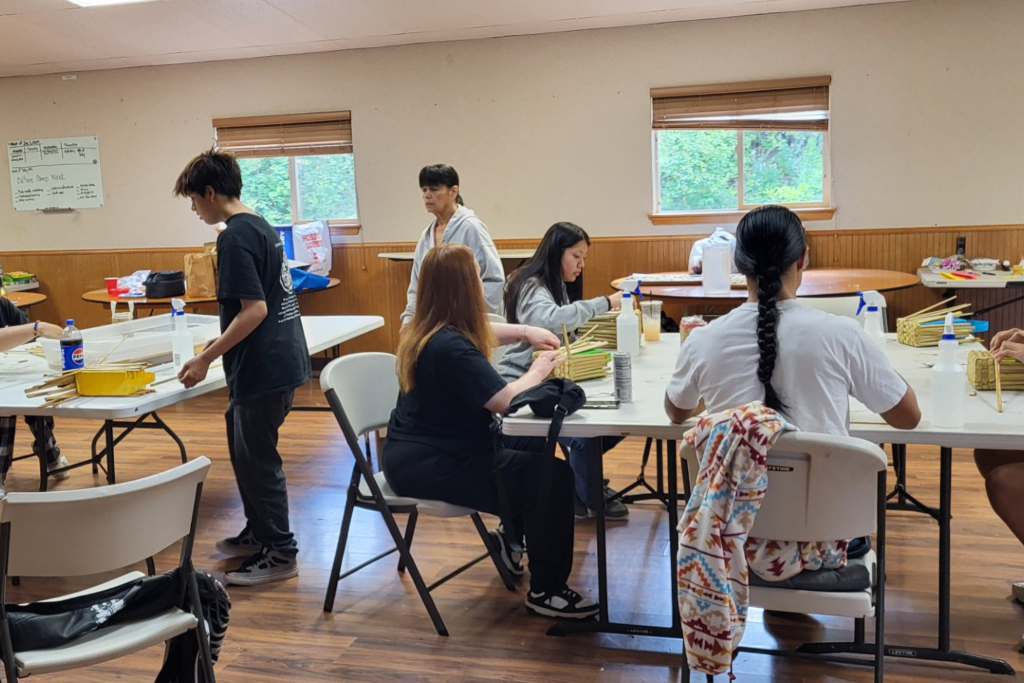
(366, 386)
(821, 487)
(89, 531)
(843, 306)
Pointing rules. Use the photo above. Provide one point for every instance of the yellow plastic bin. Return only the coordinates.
(112, 382)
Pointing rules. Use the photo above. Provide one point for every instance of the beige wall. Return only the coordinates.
(927, 103)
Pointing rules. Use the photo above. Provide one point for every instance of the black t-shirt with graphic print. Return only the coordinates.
(251, 265)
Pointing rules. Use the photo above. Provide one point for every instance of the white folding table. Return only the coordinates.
(21, 370)
(645, 416)
(985, 280)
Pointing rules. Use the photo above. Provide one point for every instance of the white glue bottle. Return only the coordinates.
(182, 344)
(627, 328)
(949, 382)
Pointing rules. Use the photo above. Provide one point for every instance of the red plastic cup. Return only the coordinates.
(111, 285)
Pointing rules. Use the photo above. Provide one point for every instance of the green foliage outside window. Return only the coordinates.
(698, 169)
(325, 183)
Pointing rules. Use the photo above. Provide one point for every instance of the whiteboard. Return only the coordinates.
(57, 173)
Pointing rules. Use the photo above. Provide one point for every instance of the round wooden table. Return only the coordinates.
(816, 282)
(25, 299)
(100, 296)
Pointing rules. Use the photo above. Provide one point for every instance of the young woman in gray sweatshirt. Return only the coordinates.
(536, 295)
(454, 224)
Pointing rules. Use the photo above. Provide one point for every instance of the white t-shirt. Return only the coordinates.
(822, 360)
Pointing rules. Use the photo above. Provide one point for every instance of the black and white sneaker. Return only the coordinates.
(264, 567)
(563, 604)
(242, 545)
(512, 561)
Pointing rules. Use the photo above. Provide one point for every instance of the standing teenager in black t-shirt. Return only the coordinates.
(441, 440)
(265, 360)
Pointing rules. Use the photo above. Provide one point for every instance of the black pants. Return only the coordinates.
(253, 426)
(36, 424)
(468, 479)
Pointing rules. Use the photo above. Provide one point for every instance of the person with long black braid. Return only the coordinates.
(808, 362)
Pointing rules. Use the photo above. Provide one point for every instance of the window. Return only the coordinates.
(296, 168)
(728, 148)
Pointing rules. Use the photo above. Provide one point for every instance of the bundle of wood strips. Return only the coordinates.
(584, 358)
(604, 327)
(981, 372)
(924, 328)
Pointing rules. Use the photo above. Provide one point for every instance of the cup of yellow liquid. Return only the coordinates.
(651, 312)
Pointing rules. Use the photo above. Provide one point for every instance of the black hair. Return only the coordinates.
(440, 174)
(213, 168)
(545, 264)
(769, 240)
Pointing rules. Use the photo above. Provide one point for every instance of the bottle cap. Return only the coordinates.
(69, 322)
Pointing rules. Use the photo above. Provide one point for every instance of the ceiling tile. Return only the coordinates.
(255, 22)
(341, 19)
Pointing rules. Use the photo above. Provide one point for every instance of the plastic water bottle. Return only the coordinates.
(627, 328)
(72, 351)
(949, 382)
(182, 345)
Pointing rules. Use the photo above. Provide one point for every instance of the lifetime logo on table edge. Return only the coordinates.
(900, 652)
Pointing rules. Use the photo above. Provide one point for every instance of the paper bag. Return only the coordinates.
(312, 243)
(200, 276)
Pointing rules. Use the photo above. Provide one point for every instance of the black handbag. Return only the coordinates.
(164, 284)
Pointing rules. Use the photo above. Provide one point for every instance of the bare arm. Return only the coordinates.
(538, 372)
(19, 334)
(537, 336)
(906, 414)
(681, 415)
(248, 319)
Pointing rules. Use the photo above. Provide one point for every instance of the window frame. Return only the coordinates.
(339, 227)
(820, 210)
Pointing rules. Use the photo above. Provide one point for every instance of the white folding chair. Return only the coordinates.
(825, 487)
(362, 389)
(98, 530)
(499, 351)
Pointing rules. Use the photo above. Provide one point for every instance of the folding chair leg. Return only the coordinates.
(410, 529)
(205, 656)
(503, 572)
(339, 554)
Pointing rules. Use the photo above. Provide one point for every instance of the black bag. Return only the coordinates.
(554, 398)
(164, 284)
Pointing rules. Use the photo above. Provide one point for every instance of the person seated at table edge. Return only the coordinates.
(801, 362)
(15, 329)
(443, 442)
(1003, 470)
(536, 294)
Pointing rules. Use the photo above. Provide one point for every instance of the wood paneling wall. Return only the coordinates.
(374, 286)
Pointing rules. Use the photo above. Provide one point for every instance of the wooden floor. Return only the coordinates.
(380, 632)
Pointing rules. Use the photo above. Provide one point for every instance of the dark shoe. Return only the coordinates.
(614, 510)
(264, 567)
(562, 604)
(512, 561)
(242, 545)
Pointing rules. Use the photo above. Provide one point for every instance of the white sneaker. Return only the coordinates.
(61, 462)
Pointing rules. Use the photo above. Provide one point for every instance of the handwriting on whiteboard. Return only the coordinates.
(57, 173)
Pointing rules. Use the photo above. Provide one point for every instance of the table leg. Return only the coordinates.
(942, 653)
(603, 623)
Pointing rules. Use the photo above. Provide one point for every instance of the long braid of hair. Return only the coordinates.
(768, 285)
